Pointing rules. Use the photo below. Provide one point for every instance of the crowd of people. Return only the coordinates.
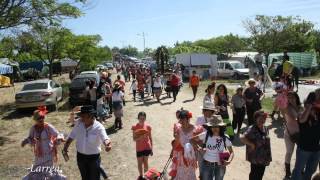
(205, 145)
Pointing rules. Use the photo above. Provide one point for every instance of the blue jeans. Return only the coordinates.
(210, 171)
(307, 161)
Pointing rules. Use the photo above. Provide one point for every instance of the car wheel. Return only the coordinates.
(236, 76)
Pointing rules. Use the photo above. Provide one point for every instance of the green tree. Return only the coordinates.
(148, 52)
(85, 49)
(228, 44)
(14, 13)
(51, 43)
(162, 57)
(115, 50)
(315, 41)
(276, 33)
(129, 51)
(7, 46)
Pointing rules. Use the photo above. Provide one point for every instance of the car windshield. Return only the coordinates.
(80, 82)
(35, 86)
(237, 65)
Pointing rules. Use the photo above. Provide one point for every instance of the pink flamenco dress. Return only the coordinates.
(282, 99)
(183, 167)
(44, 142)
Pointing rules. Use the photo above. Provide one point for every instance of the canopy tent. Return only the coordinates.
(5, 69)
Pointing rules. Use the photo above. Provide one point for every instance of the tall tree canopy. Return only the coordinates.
(271, 34)
(161, 56)
(14, 13)
(129, 51)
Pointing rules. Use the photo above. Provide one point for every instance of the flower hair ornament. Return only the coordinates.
(40, 113)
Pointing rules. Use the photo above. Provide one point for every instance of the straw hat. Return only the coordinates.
(215, 121)
(207, 105)
(251, 80)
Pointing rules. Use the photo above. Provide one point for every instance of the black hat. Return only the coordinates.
(87, 109)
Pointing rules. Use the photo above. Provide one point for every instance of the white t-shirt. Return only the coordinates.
(214, 146)
(117, 96)
(157, 83)
(89, 139)
(134, 86)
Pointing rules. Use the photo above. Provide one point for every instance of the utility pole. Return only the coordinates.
(143, 35)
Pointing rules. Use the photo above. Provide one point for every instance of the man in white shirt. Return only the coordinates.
(89, 135)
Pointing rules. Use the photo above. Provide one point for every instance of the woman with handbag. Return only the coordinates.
(291, 131)
(217, 148)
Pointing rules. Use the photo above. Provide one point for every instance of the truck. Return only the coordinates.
(204, 64)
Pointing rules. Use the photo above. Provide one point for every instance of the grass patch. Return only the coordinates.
(267, 104)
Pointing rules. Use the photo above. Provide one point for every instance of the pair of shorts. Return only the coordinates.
(144, 153)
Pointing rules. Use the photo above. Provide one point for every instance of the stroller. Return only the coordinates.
(153, 174)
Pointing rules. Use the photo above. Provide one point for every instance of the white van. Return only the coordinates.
(232, 69)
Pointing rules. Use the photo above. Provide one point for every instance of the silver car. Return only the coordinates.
(39, 93)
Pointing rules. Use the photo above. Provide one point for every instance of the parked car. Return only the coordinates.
(109, 66)
(77, 87)
(39, 93)
(89, 72)
(101, 67)
(232, 69)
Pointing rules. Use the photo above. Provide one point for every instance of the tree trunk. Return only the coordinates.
(50, 68)
(267, 59)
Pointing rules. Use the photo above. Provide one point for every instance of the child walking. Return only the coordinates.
(142, 136)
(133, 87)
(238, 109)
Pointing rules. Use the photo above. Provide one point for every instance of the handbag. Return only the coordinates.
(295, 137)
(224, 156)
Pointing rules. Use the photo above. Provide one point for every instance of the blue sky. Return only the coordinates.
(167, 21)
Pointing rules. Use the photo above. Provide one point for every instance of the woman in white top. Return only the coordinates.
(117, 104)
(134, 87)
(210, 93)
(217, 148)
(157, 87)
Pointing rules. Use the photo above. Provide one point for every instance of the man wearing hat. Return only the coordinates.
(208, 109)
(89, 135)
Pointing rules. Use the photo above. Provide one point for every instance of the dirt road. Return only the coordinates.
(120, 163)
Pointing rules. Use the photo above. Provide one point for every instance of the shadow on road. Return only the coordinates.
(147, 103)
(111, 130)
(189, 100)
(15, 114)
(3, 140)
(166, 103)
(277, 125)
(236, 141)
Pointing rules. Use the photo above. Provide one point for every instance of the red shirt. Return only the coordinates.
(145, 143)
(175, 81)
